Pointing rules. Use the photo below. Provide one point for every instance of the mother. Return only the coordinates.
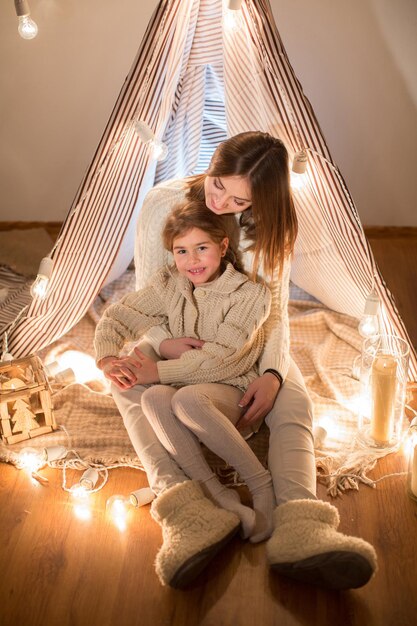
(248, 177)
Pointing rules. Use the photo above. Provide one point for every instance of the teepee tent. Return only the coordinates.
(195, 81)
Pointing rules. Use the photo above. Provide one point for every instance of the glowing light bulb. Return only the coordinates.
(329, 425)
(158, 149)
(30, 460)
(298, 180)
(118, 510)
(369, 325)
(27, 28)
(232, 15)
(81, 493)
(39, 288)
(81, 496)
(81, 365)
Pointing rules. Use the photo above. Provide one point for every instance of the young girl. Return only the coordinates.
(205, 297)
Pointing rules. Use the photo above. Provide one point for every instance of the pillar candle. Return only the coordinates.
(383, 387)
(414, 472)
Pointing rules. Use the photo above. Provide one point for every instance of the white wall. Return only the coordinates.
(356, 60)
(56, 94)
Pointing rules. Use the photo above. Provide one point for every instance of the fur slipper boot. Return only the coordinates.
(193, 530)
(306, 546)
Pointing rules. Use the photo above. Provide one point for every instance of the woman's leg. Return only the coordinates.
(305, 544)
(291, 458)
(185, 448)
(203, 410)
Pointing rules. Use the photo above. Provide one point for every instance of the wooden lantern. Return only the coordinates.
(25, 400)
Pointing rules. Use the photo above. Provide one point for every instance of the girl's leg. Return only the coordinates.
(203, 409)
(161, 470)
(291, 450)
(185, 448)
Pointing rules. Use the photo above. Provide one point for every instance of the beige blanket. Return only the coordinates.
(324, 344)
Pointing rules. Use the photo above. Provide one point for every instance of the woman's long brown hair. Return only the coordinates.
(270, 224)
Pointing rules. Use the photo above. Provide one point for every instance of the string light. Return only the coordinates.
(39, 288)
(232, 15)
(158, 149)
(368, 324)
(27, 28)
(298, 170)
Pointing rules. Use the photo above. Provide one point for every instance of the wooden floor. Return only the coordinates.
(58, 570)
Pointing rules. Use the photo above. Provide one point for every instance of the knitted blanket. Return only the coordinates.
(324, 344)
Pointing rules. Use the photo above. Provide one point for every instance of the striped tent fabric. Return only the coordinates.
(190, 85)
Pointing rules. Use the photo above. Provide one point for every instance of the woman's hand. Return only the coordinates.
(174, 348)
(144, 368)
(258, 399)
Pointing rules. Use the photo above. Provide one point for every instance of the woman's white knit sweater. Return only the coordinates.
(226, 313)
(151, 255)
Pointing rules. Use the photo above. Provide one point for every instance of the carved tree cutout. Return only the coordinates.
(23, 418)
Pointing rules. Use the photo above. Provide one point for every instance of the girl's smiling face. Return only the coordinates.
(227, 194)
(197, 256)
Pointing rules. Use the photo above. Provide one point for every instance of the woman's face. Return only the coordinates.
(227, 194)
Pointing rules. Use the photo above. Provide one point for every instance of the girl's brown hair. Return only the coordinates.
(270, 224)
(194, 214)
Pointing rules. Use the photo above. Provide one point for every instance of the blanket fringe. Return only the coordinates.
(345, 477)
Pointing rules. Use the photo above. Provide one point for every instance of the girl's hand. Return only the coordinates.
(119, 371)
(174, 348)
(258, 399)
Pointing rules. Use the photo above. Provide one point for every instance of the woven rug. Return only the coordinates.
(324, 344)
